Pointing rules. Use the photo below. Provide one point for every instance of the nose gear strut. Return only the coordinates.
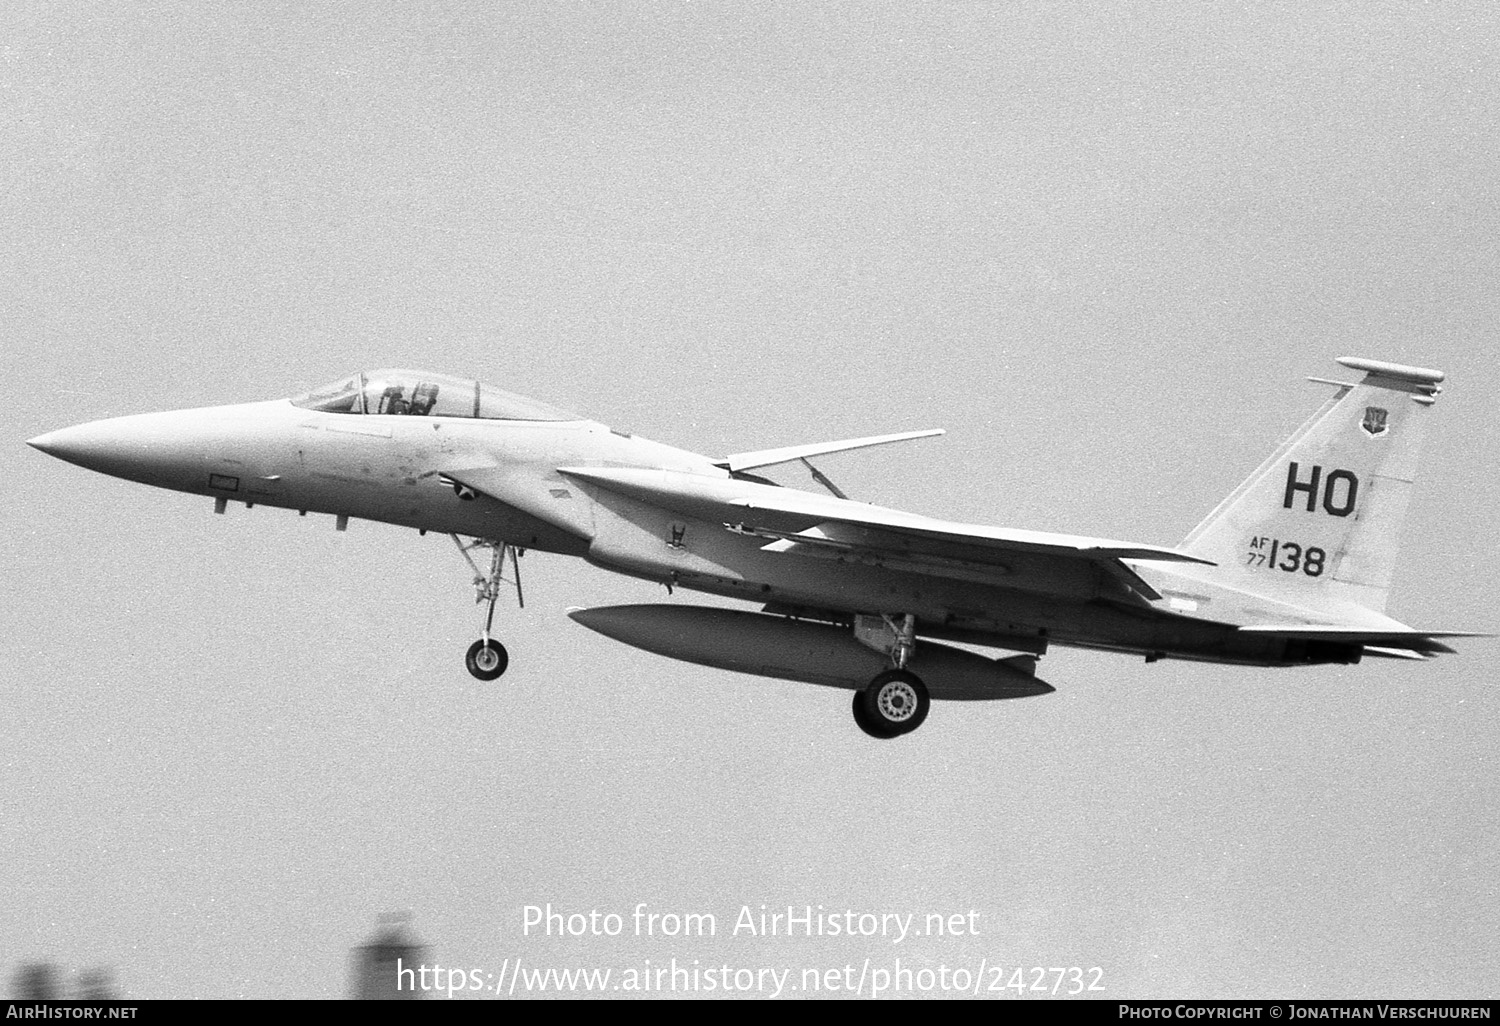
(487, 658)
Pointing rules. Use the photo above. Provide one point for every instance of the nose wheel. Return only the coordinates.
(487, 658)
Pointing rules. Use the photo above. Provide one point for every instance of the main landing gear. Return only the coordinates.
(487, 658)
(895, 702)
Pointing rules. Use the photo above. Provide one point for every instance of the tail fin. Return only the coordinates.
(1317, 524)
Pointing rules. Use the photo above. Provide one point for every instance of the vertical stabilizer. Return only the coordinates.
(1317, 524)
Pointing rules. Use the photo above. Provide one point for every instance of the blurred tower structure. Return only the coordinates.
(388, 968)
(38, 981)
(96, 984)
(44, 981)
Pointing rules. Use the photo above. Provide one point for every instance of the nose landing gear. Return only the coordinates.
(487, 658)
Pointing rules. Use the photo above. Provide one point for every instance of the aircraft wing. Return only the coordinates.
(805, 524)
(770, 457)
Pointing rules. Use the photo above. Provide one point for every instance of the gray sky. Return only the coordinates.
(1102, 246)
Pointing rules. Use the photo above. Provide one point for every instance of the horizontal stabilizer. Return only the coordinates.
(1394, 653)
(1410, 640)
(787, 454)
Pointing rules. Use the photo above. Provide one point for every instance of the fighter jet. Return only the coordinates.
(1292, 569)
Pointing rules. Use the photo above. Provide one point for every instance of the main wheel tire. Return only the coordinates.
(862, 720)
(487, 660)
(897, 701)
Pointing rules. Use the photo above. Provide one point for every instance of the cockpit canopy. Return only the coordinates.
(421, 394)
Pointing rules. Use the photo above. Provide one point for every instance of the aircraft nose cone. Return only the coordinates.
(152, 448)
(79, 444)
(47, 443)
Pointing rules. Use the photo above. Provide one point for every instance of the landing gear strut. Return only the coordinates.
(896, 701)
(487, 658)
